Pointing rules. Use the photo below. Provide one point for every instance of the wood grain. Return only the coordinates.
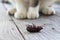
(51, 29)
(51, 25)
(8, 30)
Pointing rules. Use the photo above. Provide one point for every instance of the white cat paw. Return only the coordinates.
(33, 13)
(48, 11)
(11, 11)
(20, 15)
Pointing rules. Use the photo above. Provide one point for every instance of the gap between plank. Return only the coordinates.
(15, 23)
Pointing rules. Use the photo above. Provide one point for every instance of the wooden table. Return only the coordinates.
(13, 29)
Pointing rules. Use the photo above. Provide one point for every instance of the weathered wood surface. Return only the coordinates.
(8, 30)
(51, 29)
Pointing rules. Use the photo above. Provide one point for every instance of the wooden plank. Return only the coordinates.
(51, 29)
(3, 14)
(45, 34)
(8, 30)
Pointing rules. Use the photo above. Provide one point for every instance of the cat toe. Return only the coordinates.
(48, 11)
(20, 15)
(11, 11)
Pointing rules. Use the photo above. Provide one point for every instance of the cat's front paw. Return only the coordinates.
(48, 11)
(11, 11)
(33, 13)
(20, 15)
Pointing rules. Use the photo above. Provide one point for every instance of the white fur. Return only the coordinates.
(21, 10)
(33, 12)
(21, 13)
(48, 10)
(11, 11)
